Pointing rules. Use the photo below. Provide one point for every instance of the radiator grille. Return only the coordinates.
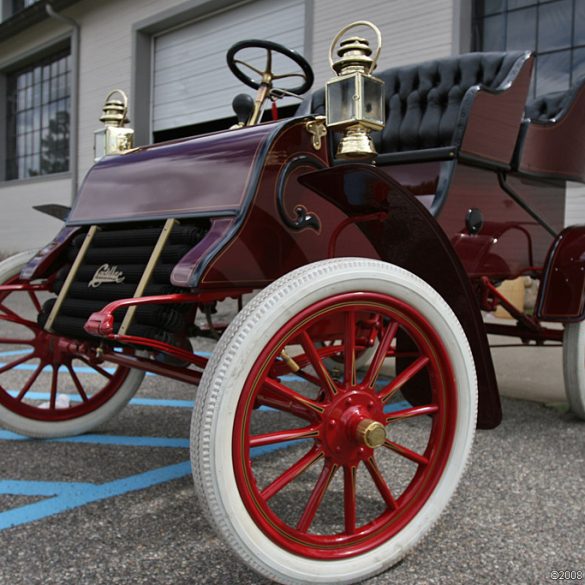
(120, 256)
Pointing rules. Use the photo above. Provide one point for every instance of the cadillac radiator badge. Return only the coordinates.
(106, 273)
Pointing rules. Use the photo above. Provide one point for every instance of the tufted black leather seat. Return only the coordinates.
(427, 104)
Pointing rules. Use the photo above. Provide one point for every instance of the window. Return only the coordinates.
(553, 29)
(38, 102)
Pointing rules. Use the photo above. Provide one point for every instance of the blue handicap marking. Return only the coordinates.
(62, 496)
(66, 496)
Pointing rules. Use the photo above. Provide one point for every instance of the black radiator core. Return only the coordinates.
(112, 269)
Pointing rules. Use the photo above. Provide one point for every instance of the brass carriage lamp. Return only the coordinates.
(113, 138)
(355, 98)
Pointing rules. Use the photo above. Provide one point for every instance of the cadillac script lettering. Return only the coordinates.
(106, 273)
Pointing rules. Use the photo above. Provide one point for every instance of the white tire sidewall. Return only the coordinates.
(574, 366)
(46, 429)
(264, 317)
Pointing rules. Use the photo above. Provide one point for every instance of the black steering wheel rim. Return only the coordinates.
(270, 46)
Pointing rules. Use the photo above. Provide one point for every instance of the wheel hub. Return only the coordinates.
(353, 426)
(371, 433)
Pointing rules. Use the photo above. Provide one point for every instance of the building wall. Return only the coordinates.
(413, 30)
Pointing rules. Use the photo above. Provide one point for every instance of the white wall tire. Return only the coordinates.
(38, 416)
(223, 416)
(574, 366)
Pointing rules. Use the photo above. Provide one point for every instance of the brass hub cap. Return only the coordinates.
(371, 433)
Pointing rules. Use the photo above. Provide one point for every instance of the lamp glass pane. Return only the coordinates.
(340, 102)
(373, 101)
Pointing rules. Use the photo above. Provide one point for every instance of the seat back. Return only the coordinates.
(552, 142)
(423, 101)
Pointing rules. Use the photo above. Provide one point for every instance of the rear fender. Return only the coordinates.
(561, 296)
(411, 238)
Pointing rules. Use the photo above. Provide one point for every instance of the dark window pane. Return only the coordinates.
(554, 25)
(579, 22)
(553, 72)
(521, 32)
(485, 7)
(578, 65)
(520, 3)
(494, 38)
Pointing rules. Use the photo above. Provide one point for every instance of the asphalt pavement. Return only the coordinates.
(117, 506)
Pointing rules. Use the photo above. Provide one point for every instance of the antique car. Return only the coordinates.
(335, 416)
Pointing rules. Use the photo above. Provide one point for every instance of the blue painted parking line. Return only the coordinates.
(123, 440)
(66, 497)
(160, 402)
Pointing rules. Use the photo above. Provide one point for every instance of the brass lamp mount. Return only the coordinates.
(355, 98)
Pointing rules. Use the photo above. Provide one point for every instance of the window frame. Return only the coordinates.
(12, 65)
(477, 19)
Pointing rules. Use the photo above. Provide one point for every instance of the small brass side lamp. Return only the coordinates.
(355, 98)
(113, 138)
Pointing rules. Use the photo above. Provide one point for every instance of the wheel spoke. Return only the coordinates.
(349, 502)
(97, 368)
(380, 355)
(283, 436)
(54, 380)
(281, 397)
(411, 412)
(285, 75)
(406, 452)
(317, 495)
(14, 318)
(8, 311)
(77, 383)
(293, 472)
(327, 382)
(391, 389)
(268, 69)
(17, 362)
(381, 483)
(35, 301)
(349, 350)
(249, 66)
(31, 380)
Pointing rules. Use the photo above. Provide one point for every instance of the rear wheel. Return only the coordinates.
(574, 366)
(321, 475)
(45, 389)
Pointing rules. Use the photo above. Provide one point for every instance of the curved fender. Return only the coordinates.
(561, 296)
(411, 238)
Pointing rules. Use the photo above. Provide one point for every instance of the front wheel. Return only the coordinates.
(320, 475)
(574, 366)
(45, 390)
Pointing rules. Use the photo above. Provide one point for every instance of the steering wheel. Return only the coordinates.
(267, 76)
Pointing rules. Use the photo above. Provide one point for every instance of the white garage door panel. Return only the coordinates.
(192, 83)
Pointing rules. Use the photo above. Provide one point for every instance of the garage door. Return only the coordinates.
(192, 83)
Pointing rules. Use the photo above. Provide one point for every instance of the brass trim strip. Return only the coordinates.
(70, 277)
(154, 257)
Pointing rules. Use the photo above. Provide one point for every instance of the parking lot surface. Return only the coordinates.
(117, 505)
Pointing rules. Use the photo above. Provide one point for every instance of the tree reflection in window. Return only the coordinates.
(38, 100)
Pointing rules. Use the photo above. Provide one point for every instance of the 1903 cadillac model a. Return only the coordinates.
(336, 414)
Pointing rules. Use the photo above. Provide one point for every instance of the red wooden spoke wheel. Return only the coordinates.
(46, 390)
(330, 472)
